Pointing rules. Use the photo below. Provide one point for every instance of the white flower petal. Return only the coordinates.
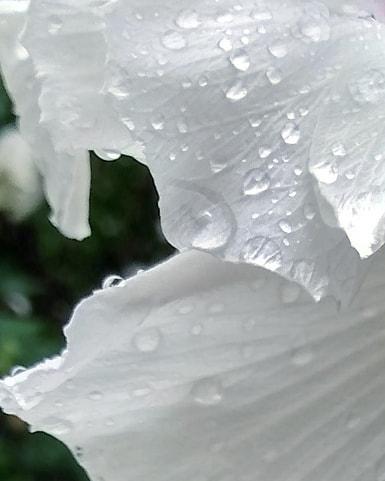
(347, 155)
(20, 189)
(225, 100)
(66, 173)
(201, 369)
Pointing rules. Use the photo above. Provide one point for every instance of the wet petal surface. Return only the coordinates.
(228, 105)
(207, 370)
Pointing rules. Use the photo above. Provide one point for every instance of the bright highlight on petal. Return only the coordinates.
(243, 111)
(200, 369)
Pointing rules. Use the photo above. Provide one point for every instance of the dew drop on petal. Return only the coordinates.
(240, 60)
(107, 154)
(173, 40)
(188, 19)
(285, 226)
(208, 391)
(278, 49)
(147, 340)
(112, 281)
(301, 356)
(212, 228)
(237, 92)
(95, 395)
(274, 75)
(291, 134)
(225, 44)
(255, 182)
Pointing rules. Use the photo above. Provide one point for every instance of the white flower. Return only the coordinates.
(201, 369)
(261, 122)
(20, 190)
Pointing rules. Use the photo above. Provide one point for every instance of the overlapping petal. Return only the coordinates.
(65, 172)
(227, 101)
(200, 369)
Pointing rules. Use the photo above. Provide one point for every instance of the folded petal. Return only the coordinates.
(200, 369)
(65, 172)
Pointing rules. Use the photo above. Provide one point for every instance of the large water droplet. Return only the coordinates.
(208, 391)
(212, 228)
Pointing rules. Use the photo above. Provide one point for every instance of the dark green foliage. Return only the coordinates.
(43, 275)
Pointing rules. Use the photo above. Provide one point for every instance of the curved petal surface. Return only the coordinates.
(225, 99)
(200, 369)
(66, 173)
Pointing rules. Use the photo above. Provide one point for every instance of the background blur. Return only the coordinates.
(43, 275)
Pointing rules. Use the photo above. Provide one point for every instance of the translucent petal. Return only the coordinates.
(347, 155)
(201, 369)
(66, 172)
(224, 99)
(20, 190)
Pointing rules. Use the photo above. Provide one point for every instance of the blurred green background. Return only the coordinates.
(43, 275)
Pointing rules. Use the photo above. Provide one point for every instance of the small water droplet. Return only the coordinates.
(197, 329)
(107, 154)
(147, 340)
(208, 391)
(113, 281)
(369, 88)
(285, 226)
(225, 44)
(274, 75)
(309, 211)
(157, 122)
(95, 395)
(264, 152)
(17, 370)
(255, 182)
(339, 150)
(240, 60)
(326, 172)
(301, 356)
(188, 19)
(237, 92)
(173, 40)
(278, 49)
(291, 134)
